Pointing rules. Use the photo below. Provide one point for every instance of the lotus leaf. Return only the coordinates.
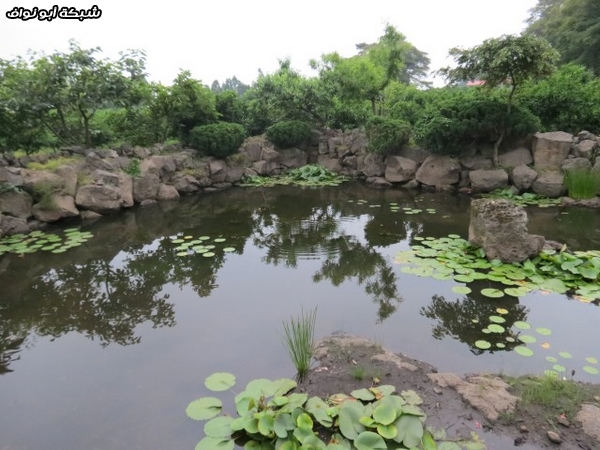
(524, 351)
(483, 345)
(220, 381)
(591, 370)
(492, 293)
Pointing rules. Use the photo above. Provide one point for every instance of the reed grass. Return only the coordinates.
(299, 340)
(582, 183)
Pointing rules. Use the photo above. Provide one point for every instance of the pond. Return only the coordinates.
(103, 346)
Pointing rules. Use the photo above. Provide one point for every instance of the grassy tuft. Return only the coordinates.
(52, 164)
(299, 340)
(358, 373)
(582, 183)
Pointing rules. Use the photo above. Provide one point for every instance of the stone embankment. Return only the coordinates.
(93, 182)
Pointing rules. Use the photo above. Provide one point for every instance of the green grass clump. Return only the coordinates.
(582, 184)
(52, 164)
(299, 340)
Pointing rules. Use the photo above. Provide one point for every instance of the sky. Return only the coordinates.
(217, 40)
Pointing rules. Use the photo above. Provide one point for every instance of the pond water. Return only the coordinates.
(102, 347)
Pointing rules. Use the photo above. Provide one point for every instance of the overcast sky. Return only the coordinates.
(216, 40)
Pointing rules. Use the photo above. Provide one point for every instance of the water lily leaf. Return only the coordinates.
(522, 325)
(544, 331)
(204, 408)
(551, 359)
(559, 368)
(500, 345)
(554, 285)
(591, 360)
(510, 339)
(486, 330)
(363, 394)
(212, 443)
(411, 397)
(219, 427)
(464, 278)
(482, 344)
(492, 293)
(565, 355)
(501, 311)
(349, 416)
(527, 339)
(368, 440)
(410, 431)
(591, 370)
(384, 413)
(229, 249)
(177, 241)
(220, 381)
(219, 240)
(516, 292)
(495, 328)
(182, 254)
(524, 351)
(497, 319)
(208, 254)
(461, 289)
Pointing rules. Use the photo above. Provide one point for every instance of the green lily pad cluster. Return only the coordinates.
(309, 175)
(38, 240)
(526, 199)
(204, 245)
(271, 416)
(453, 258)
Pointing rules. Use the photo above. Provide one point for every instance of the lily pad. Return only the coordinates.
(544, 331)
(495, 328)
(208, 254)
(497, 319)
(182, 254)
(229, 249)
(590, 370)
(501, 311)
(500, 345)
(551, 359)
(565, 355)
(220, 381)
(527, 339)
(219, 240)
(591, 360)
(491, 292)
(482, 344)
(461, 289)
(522, 325)
(559, 368)
(524, 351)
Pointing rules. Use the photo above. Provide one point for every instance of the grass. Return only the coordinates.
(582, 183)
(133, 169)
(52, 164)
(358, 373)
(45, 191)
(299, 340)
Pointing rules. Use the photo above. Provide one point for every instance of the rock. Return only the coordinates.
(42, 179)
(589, 416)
(438, 170)
(12, 225)
(399, 169)
(576, 164)
(292, 158)
(164, 165)
(585, 135)
(562, 420)
(476, 162)
(185, 184)
(516, 157)
(487, 394)
(140, 152)
(266, 168)
(351, 162)
(418, 155)
(549, 184)
(551, 149)
(217, 170)
(110, 193)
(269, 154)
(332, 164)
(378, 182)
(523, 429)
(253, 149)
(596, 167)
(63, 206)
(16, 203)
(554, 437)
(167, 192)
(412, 184)
(69, 176)
(488, 180)
(145, 187)
(371, 165)
(500, 228)
(90, 215)
(523, 177)
(11, 175)
(147, 202)
(586, 148)
(94, 162)
(235, 171)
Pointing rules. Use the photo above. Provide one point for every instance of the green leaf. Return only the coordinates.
(219, 427)
(387, 431)
(492, 293)
(220, 381)
(349, 416)
(211, 443)
(410, 430)
(411, 397)
(363, 394)
(304, 422)
(384, 413)
(266, 424)
(367, 440)
(204, 408)
(283, 423)
(428, 442)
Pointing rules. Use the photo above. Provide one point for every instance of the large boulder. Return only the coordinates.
(167, 192)
(185, 184)
(476, 162)
(439, 171)
(16, 203)
(399, 169)
(12, 225)
(62, 206)
(145, 187)
(488, 180)
(371, 165)
(11, 175)
(217, 169)
(418, 155)
(109, 193)
(523, 177)
(69, 176)
(332, 164)
(576, 164)
(551, 149)
(585, 148)
(549, 184)
(292, 158)
(516, 157)
(500, 228)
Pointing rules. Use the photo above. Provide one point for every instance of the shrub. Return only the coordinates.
(289, 133)
(218, 139)
(386, 135)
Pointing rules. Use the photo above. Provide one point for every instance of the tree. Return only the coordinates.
(510, 60)
(572, 27)
(230, 84)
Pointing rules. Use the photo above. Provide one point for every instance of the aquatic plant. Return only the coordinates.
(582, 183)
(299, 340)
(38, 240)
(309, 175)
(271, 416)
(525, 199)
(187, 245)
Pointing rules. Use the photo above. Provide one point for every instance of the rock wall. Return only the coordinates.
(101, 181)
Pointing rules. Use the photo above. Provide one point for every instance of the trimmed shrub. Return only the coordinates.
(218, 139)
(386, 135)
(289, 133)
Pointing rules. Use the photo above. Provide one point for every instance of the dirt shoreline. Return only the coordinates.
(478, 408)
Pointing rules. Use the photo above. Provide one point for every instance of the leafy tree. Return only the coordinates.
(230, 106)
(387, 135)
(230, 84)
(572, 27)
(508, 60)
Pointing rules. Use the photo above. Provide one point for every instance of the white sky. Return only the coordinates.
(216, 40)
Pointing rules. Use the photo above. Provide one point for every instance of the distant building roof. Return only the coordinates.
(475, 82)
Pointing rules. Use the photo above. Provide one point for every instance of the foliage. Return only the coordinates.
(38, 240)
(568, 100)
(230, 107)
(230, 84)
(44, 193)
(309, 175)
(386, 135)
(557, 271)
(571, 26)
(300, 342)
(53, 163)
(582, 183)
(133, 169)
(507, 59)
(463, 117)
(525, 199)
(270, 416)
(218, 139)
(289, 133)
(9, 187)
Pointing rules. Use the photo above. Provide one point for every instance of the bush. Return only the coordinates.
(387, 135)
(470, 116)
(218, 139)
(289, 133)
